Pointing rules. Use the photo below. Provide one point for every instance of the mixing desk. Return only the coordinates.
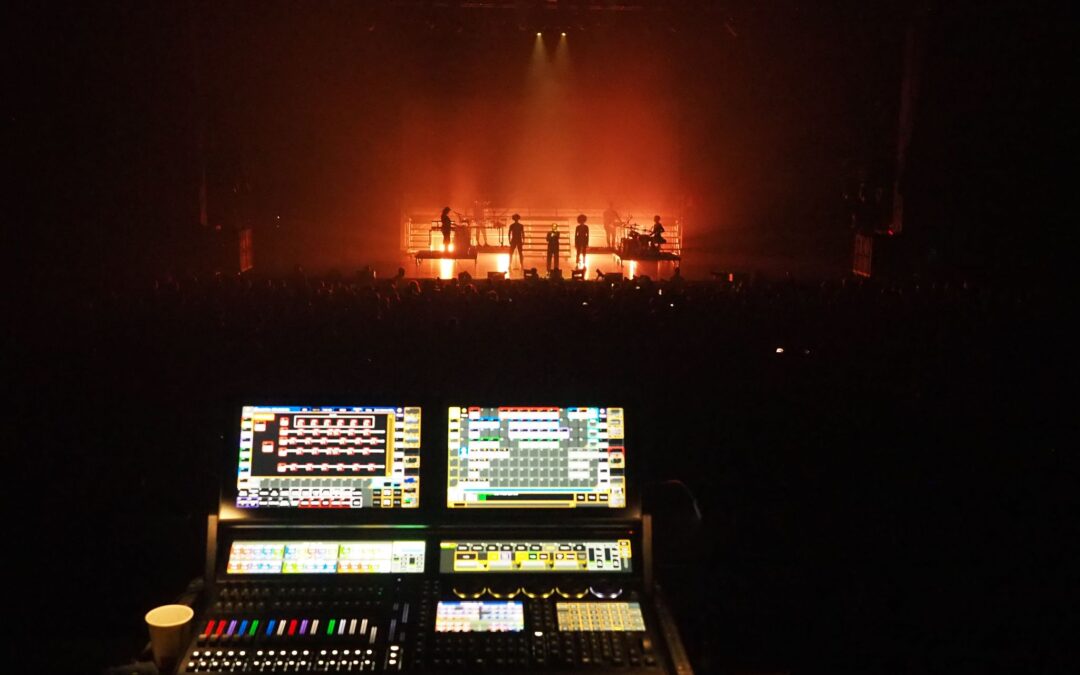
(304, 593)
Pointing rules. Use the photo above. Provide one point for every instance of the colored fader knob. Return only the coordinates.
(469, 589)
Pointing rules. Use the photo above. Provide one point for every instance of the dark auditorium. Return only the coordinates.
(540, 337)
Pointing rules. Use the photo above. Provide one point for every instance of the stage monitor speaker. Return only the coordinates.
(496, 276)
(577, 275)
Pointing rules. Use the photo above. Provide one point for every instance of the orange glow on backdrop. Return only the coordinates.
(554, 122)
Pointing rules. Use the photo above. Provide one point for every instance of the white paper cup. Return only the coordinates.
(170, 631)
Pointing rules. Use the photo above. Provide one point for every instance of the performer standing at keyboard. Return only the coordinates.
(517, 241)
(581, 241)
(447, 226)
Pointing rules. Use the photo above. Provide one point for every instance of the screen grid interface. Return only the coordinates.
(479, 616)
(611, 556)
(536, 457)
(326, 557)
(328, 457)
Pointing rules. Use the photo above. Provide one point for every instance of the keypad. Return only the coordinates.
(599, 616)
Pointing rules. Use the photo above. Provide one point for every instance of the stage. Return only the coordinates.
(480, 261)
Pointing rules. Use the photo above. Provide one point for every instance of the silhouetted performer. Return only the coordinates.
(656, 236)
(611, 222)
(517, 241)
(553, 248)
(447, 226)
(581, 240)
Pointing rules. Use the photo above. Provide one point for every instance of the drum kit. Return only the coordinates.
(486, 219)
(635, 244)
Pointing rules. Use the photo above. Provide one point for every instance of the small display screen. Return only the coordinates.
(599, 616)
(329, 457)
(536, 457)
(479, 616)
(520, 555)
(326, 557)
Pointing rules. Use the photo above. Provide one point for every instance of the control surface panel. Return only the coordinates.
(534, 556)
